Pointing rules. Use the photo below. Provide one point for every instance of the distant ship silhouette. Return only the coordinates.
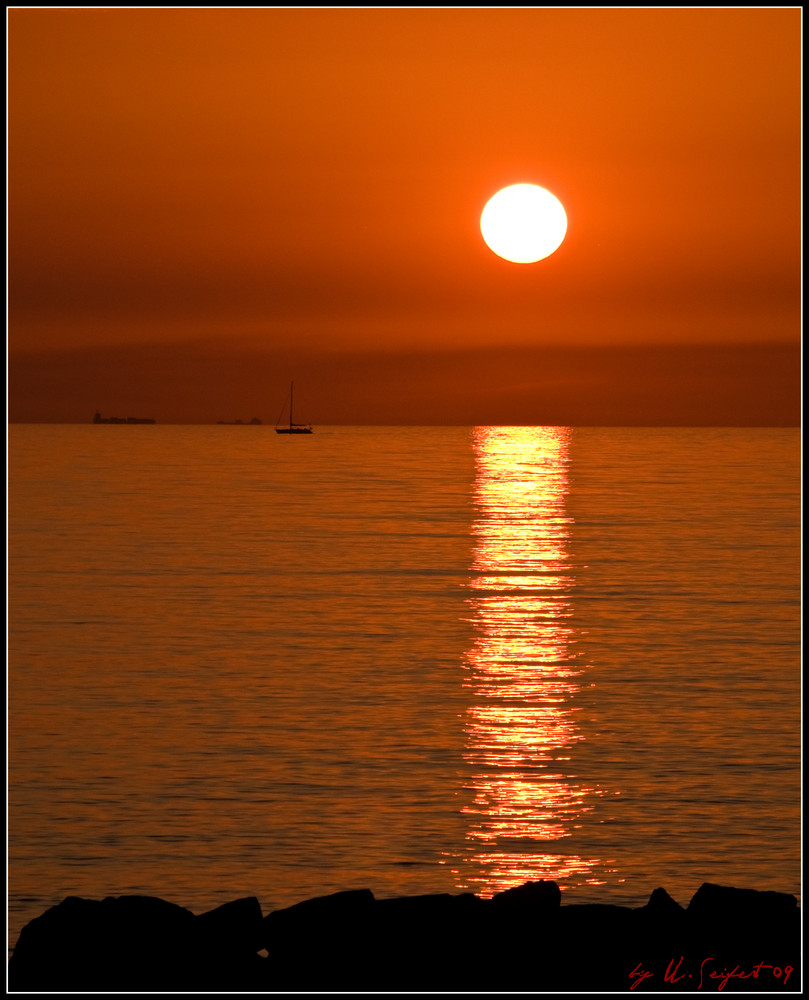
(292, 428)
(98, 419)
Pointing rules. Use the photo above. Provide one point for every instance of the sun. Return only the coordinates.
(523, 223)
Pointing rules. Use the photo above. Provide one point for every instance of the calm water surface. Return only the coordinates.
(413, 660)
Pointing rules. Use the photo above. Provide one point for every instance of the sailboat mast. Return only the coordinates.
(291, 387)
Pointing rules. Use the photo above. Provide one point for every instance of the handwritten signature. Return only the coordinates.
(709, 975)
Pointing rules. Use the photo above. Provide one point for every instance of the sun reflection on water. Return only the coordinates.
(523, 668)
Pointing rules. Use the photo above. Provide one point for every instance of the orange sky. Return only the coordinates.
(205, 203)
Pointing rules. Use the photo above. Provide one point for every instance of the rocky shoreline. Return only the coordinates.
(522, 939)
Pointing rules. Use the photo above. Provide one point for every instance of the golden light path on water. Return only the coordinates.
(522, 668)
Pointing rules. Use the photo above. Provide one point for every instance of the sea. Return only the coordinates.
(409, 659)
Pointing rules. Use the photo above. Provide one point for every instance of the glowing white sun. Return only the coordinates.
(523, 223)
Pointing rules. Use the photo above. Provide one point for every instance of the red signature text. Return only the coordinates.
(708, 974)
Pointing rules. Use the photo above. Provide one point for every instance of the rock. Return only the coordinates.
(225, 946)
(663, 906)
(118, 943)
(543, 895)
(433, 942)
(592, 944)
(347, 903)
(237, 925)
(319, 943)
(522, 940)
(742, 921)
(719, 902)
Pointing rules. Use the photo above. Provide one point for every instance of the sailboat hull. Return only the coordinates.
(293, 428)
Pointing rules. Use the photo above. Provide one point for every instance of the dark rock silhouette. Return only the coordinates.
(225, 945)
(522, 939)
(662, 905)
(87, 944)
(712, 902)
(543, 895)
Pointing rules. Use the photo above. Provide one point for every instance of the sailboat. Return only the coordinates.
(292, 428)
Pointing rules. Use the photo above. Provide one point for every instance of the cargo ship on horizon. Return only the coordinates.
(98, 419)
